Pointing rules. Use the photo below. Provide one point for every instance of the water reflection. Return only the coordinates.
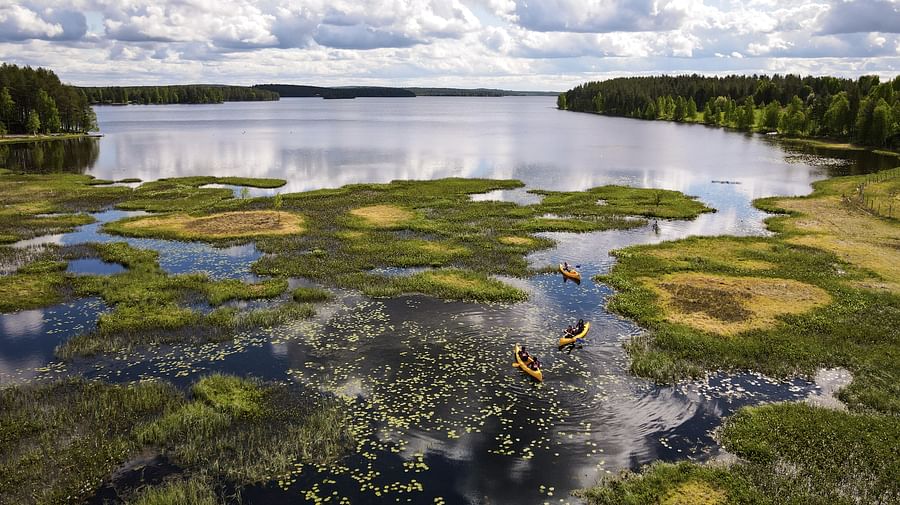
(72, 155)
(29, 337)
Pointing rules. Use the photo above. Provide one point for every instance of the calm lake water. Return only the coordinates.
(479, 431)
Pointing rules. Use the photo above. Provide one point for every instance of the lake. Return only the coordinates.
(439, 409)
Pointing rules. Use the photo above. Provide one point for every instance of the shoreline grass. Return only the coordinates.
(26, 139)
(835, 145)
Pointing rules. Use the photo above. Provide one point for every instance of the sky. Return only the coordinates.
(516, 44)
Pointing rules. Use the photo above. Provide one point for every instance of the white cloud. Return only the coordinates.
(526, 44)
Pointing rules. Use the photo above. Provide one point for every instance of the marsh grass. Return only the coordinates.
(247, 432)
(311, 295)
(35, 205)
(790, 453)
(343, 233)
(856, 329)
(193, 491)
(233, 289)
(59, 441)
(147, 304)
(358, 228)
(185, 194)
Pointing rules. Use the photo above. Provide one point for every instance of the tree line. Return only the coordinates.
(33, 100)
(190, 93)
(863, 110)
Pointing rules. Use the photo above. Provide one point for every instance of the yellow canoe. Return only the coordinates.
(570, 340)
(537, 374)
(570, 273)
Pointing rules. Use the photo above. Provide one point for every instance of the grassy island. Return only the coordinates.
(339, 237)
(823, 292)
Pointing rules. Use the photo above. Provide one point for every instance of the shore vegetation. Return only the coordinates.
(823, 291)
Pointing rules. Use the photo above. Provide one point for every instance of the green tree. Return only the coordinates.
(680, 109)
(2, 129)
(561, 101)
(864, 120)
(670, 107)
(772, 115)
(598, 103)
(33, 123)
(882, 123)
(691, 109)
(661, 107)
(7, 106)
(89, 120)
(795, 120)
(277, 204)
(709, 117)
(837, 117)
(52, 123)
(746, 115)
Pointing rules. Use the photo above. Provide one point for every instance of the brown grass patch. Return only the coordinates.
(383, 216)
(226, 225)
(694, 493)
(731, 305)
(732, 252)
(512, 240)
(853, 235)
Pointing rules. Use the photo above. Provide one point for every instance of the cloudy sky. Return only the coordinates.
(518, 44)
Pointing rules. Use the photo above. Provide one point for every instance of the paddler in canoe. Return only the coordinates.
(574, 335)
(569, 272)
(527, 363)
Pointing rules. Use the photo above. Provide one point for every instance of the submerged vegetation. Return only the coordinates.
(61, 441)
(823, 292)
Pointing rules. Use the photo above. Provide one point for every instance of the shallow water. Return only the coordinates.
(430, 383)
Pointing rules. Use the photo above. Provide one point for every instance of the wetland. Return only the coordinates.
(341, 330)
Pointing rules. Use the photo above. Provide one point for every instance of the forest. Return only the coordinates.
(33, 100)
(292, 90)
(191, 93)
(865, 110)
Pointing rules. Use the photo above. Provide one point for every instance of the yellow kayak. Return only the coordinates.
(570, 273)
(537, 374)
(570, 340)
